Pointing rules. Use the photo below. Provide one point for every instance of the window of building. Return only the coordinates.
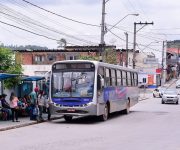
(51, 57)
(39, 58)
(144, 80)
(72, 57)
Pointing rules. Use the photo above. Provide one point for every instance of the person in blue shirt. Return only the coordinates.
(33, 104)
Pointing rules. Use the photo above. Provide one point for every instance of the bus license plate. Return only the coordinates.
(71, 110)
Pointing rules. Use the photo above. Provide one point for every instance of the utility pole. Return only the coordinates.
(134, 43)
(177, 65)
(126, 48)
(162, 65)
(102, 42)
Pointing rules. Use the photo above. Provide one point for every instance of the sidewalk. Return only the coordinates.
(24, 121)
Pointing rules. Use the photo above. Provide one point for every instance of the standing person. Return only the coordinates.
(41, 103)
(14, 107)
(47, 104)
(36, 89)
(33, 104)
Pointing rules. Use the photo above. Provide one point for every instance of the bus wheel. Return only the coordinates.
(104, 117)
(68, 118)
(127, 110)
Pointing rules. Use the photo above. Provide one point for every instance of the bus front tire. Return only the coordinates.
(68, 118)
(105, 115)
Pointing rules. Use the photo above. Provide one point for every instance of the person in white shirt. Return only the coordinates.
(41, 103)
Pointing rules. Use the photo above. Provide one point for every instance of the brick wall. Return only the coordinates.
(28, 58)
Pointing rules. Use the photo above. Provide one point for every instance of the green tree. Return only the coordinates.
(9, 65)
(87, 57)
(110, 56)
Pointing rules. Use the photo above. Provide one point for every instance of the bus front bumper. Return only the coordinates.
(88, 110)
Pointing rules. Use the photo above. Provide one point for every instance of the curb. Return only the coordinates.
(143, 99)
(28, 124)
(18, 126)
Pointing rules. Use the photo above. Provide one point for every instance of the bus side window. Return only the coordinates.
(108, 81)
(100, 73)
(129, 79)
(124, 78)
(119, 78)
(135, 79)
(113, 77)
(100, 82)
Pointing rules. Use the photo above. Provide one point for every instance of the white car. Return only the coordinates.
(158, 92)
(178, 84)
(170, 96)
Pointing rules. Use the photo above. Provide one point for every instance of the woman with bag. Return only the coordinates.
(14, 107)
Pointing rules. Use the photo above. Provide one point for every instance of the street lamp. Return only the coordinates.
(122, 20)
(103, 32)
(146, 46)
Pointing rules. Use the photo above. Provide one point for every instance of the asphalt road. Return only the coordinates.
(149, 126)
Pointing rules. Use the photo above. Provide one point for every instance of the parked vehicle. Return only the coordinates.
(170, 96)
(158, 92)
(178, 84)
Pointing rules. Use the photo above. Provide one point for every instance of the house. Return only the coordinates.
(149, 69)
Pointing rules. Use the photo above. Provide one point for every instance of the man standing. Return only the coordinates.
(33, 104)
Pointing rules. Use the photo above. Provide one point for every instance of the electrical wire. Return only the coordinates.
(27, 30)
(60, 15)
(35, 12)
(34, 22)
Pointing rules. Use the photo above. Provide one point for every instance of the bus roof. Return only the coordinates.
(98, 63)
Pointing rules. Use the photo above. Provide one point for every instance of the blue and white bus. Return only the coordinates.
(91, 88)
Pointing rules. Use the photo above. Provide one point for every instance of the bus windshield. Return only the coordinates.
(72, 84)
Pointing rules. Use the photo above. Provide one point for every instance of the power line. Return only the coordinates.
(36, 23)
(32, 32)
(28, 31)
(98, 26)
(132, 43)
(167, 29)
(60, 15)
(35, 12)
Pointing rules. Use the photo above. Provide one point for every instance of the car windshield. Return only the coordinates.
(170, 92)
(162, 89)
(178, 82)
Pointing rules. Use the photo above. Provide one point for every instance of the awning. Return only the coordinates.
(33, 78)
(4, 76)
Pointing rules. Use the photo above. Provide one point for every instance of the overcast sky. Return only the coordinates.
(164, 14)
